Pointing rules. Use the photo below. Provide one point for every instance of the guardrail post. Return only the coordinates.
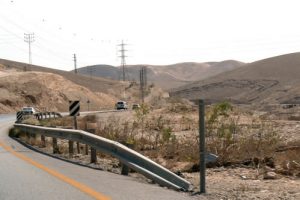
(71, 148)
(93, 155)
(93, 150)
(43, 141)
(55, 146)
(75, 127)
(86, 149)
(125, 168)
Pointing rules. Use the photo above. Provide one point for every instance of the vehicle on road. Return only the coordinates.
(135, 106)
(28, 110)
(121, 105)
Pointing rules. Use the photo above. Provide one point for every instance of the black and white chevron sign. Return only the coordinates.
(74, 108)
(19, 116)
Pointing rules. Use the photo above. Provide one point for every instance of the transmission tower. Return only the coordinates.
(123, 56)
(29, 38)
(75, 63)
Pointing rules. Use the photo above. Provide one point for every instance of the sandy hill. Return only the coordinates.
(46, 91)
(272, 80)
(51, 89)
(96, 84)
(164, 76)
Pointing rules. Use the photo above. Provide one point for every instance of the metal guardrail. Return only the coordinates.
(127, 156)
(21, 115)
(46, 115)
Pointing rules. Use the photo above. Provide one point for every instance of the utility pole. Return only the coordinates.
(123, 56)
(29, 38)
(75, 63)
(143, 82)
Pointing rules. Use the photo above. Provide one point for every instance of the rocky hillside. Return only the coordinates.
(95, 84)
(273, 80)
(164, 76)
(46, 91)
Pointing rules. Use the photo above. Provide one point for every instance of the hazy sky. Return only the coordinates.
(156, 31)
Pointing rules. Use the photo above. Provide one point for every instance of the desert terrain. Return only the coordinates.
(255, 133)
(248, 167)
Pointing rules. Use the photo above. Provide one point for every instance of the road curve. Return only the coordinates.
(26, 174)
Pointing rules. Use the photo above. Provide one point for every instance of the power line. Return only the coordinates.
(143, 82)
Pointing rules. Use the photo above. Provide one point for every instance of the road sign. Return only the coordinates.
(74, 108)
(19, 116)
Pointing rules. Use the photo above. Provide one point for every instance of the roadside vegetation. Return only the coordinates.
(169, 135)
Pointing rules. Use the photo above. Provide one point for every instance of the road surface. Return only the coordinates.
(26, 174)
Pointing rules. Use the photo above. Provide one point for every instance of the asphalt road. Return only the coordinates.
(26, 174)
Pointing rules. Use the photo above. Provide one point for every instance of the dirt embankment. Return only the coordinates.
(46, 91)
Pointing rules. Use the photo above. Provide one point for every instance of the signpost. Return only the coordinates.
(202, 144)
(74, 109)
(88, 103)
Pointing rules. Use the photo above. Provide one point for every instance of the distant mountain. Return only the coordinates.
(164, 76)
(272, 80)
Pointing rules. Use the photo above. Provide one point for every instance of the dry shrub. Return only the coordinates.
(234, 143)
(287, 159)
(178, 105)
(294, 118)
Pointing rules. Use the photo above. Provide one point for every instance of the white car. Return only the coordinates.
(28, 110)
(121, 105)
